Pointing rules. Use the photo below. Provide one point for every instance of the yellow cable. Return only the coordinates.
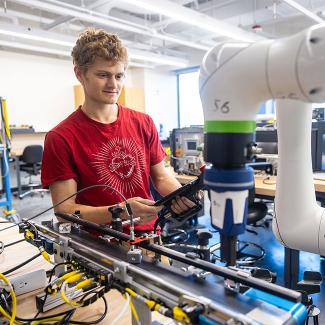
(67, 275)
(180, 315)
(45, 320)
(29, 235)
(69, 302)
(7, 316)
(74, 278)
(83, 284)
(134, 311)
(52, 291)
(14, 301)
(44, 254)
(65, 298)
(131, 292)
(150, 303)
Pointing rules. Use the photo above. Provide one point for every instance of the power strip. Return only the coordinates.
(28, 282)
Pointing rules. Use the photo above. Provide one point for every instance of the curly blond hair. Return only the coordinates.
(97, 43)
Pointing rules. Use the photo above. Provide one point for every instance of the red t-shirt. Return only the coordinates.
(118, 154)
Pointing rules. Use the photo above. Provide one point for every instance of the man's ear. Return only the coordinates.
(78, 72)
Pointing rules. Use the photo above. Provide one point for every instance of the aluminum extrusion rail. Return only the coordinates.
(227, 273)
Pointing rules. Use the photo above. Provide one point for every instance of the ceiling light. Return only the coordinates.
(40, 49)
(305, 11)
(165, 60)
(35, 38)
(193, 18)
(156, 58)
(34, 48)
(105, 20)
(140, 65)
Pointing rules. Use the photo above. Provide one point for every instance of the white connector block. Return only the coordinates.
(28, 282)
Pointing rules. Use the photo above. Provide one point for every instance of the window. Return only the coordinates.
(189, 103)
(190, 107)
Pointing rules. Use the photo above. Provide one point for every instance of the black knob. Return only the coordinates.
(203, 237)
(116, 211)
(116, 219)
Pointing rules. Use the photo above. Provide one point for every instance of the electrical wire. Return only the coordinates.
(50, 279)
(97, 321)
(22, 264)
(71, 279)
(14, 301)
(134, 312)
(39, 254)
(94, 322)
(66, 319)
(266, 179)
(69, 197)
(41, 319)
(14, 243)
(123, 311)
(54, 317)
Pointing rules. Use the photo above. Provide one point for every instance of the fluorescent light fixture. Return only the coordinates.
(160, 59)
(193, 18)
(134, 54)
(140, 65)
(35, 38)
(34, 48)
(105, 20)
(40, 49)
(93, 18)
(303, 10)
(97, 13)
(183, 42)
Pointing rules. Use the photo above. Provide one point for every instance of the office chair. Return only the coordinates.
(30, 162)
(268, 147)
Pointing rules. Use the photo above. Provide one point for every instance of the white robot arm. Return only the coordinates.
(235, 78)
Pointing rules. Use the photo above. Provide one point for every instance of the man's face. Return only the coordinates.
(102, 81)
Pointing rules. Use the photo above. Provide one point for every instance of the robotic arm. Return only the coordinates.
(235, 78)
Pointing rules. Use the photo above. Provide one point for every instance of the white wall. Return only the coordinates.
(161, 98)
(38, 90)
(160, 89)
(135, 77)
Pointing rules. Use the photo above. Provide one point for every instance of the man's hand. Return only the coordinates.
(142, 208)
(182, 204)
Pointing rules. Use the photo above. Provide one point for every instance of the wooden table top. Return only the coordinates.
(264, 185)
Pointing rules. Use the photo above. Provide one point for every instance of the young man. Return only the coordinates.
(106, 143)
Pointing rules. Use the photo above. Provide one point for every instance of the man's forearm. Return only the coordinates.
(167, 185)
(98, 215)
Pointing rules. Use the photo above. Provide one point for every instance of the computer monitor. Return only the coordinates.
(269, 139)
(191, 146)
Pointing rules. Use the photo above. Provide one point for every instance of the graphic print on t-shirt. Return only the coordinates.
(120, 163)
